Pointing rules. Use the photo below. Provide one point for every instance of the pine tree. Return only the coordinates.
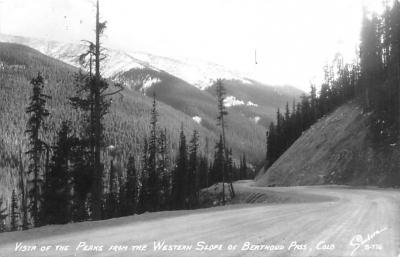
(164, 170)
(193, 177)
(313, 104)
(393, 38)
(272, 146)
(179, 182)
(93, 97)
(122, 197)
(306, 114)
(154, 180)
(370, 59)
(240, 175)
(14, 212)
(324, 99)
(143, 194)
(229, 166)
(243, 170)
(218, 163)
(221, 122)
(38, 113)
(57, 187)
(22, 189)
(3, 216)
(203, 172)
(112, 207)
(82, 175)
(131, 186)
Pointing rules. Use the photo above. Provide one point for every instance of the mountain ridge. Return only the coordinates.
(195, 72)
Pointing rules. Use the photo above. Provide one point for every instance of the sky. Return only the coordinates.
(292, 39)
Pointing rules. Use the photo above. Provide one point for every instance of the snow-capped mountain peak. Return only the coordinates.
(200, 74)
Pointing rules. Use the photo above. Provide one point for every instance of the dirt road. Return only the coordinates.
(330, 221)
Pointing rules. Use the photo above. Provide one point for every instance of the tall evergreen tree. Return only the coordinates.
(203, 172)
(164, 170)
(82, 174)
(313, 104)
(218, 163)
(57, 187)
(243, 168)
(93, 97)
(22, 189)
(35, 126)
(112, 206)
(14, 212)
(370, 58)
(193, 177)
(271, 144)
(221, 122)
(229, 166)
(393, 48)
(180, 176)
(143, 193)
(154, 180)
(131, 186)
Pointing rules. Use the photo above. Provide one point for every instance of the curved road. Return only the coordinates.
(330, 221)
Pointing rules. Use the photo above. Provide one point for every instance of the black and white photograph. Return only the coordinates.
(204, 128)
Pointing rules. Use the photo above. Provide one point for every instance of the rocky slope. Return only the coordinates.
(338, 149)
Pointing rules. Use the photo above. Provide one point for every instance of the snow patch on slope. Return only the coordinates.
(197, 119)
(230, 101)
(149, 81)
(256, 119)
(250, 103)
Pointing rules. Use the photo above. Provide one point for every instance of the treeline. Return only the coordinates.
(80, 176)
(380, 69)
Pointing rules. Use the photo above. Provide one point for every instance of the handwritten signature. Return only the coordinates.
(358, 240)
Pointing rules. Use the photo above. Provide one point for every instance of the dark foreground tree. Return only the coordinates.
(179, 180)
(93, 98)
(22, 189)
(131, 187)
(37, 114)
(221, 122)
(14, 213)
(193, 172)
(154, 178)
(3, 216)
(57, 187)
(143, 191)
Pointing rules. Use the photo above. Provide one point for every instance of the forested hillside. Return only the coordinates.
(128, 124)
(129, 118)
(198, 103)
